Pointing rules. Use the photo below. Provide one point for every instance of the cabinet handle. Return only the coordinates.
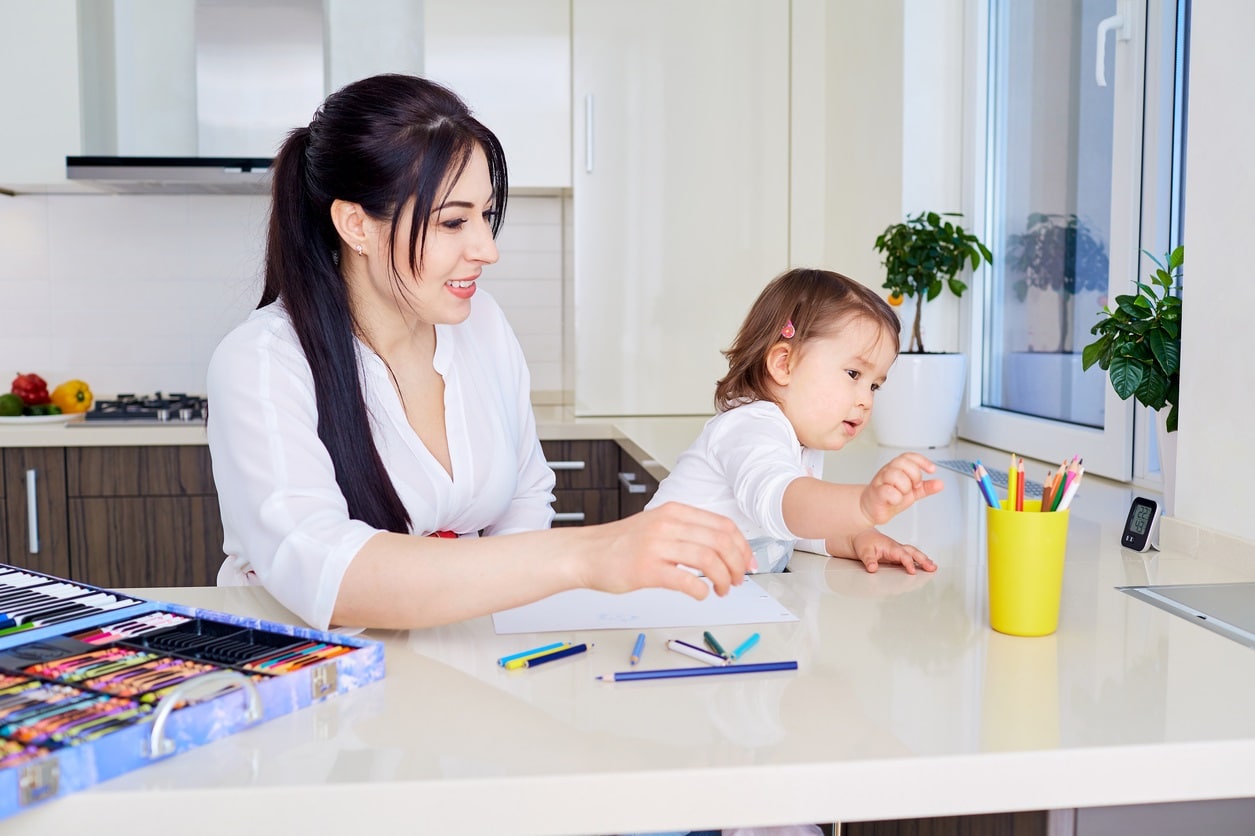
(569, 516)
(566, 465)
(628, 480)
(32, 511)
(588, 133)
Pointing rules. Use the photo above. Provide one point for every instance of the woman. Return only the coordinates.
(377, 394)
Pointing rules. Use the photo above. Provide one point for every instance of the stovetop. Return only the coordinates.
(175, 408)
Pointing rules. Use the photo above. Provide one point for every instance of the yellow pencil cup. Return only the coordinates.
(1025, 550)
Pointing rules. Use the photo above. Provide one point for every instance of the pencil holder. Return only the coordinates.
(1025, 552)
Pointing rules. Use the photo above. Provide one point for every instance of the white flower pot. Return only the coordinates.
(919, 404)
(1167, 461)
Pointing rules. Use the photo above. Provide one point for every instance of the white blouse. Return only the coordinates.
(286, 523)
(740, 466)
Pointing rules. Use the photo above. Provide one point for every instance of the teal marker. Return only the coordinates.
(744, 646)
(713, 644)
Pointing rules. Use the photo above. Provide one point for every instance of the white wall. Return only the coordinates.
(1216, 444)
(132, 292)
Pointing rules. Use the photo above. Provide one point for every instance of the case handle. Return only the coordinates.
(159, 745)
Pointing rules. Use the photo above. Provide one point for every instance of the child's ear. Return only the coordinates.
(780, 363)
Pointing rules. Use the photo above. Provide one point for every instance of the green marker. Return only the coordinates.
(713, 644)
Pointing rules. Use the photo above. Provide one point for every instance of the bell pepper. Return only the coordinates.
(73, 396)
(31, 388)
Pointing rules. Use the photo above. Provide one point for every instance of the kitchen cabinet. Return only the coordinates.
(36, 536)
(114, 516)
(586, 491)
(143, 516)
(680, 189)
(636, 485)
(510, 60)
(39, 61)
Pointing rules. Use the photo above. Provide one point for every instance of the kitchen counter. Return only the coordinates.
(905, 704)
(667, 437)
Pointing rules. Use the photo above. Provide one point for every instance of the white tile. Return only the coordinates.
(532, 209)
(529, 238)
(527, 293)
(523, 265)
(134, 292)
(23, 238)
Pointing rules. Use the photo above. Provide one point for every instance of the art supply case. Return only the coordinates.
(94, 683)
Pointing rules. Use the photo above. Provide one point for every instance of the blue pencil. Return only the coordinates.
(675, 673)
(986, 486)
(636, 651)
(557, 654)
(531, 652)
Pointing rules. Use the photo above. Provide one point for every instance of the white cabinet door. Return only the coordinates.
(39, 94)
(510, 61)
(680, 191)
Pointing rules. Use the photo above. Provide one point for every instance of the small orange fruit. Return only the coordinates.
(895, 299)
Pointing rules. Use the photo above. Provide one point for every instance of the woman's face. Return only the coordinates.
(457, 245)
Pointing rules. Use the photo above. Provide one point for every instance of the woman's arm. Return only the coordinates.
(397, 581)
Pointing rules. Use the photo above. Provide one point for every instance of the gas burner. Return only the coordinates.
(174, 408)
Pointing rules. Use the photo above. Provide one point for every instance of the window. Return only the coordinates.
(1079, 177)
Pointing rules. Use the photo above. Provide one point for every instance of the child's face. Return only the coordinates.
(827, 389)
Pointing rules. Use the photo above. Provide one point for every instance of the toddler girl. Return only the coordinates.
(802, 375)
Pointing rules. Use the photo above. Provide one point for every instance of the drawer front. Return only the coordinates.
(636, 486)
(175, 470)
(582, 465)
(590, 507)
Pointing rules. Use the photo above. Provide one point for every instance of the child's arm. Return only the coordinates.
(842, 515)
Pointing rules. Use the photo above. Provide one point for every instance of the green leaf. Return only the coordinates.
(1126, 376)
(1152, 391)
(1167, 351)
(1093, 353)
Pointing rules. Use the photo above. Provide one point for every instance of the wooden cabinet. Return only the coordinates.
(636, 485)
(597, 481)
(143, 516)
(680, 190)
(35, 535)
(113, 516)
(586, 489)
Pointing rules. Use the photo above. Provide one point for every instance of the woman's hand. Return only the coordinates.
(873, 548)
(896, 486)
(662, 547)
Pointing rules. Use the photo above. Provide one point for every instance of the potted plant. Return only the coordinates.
(1139, 346)
(923, 256)
(1059, 256)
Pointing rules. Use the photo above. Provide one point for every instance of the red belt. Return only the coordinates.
(444, 535)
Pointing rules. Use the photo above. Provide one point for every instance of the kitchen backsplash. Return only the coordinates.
(132, 292)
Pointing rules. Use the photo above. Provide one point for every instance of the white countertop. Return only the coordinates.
(905, 704)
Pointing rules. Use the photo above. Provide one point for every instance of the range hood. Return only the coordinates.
(171, 175)
(193, 96)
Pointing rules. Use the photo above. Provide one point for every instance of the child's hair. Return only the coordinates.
(816, 303)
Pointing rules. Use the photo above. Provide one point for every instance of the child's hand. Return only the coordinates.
(896, 486)
(874, 548)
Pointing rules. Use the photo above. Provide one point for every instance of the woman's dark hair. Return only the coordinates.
(381, 142)
(818, 303)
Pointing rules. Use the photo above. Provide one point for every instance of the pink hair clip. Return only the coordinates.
(788, 331)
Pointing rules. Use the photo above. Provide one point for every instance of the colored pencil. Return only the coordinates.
(637, 648)
(678, 673)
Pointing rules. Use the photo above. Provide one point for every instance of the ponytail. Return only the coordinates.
(301, 269)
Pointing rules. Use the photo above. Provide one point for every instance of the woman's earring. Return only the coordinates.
(359, 250)
(788, 330)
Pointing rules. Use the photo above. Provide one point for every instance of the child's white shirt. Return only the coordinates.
(740, 466)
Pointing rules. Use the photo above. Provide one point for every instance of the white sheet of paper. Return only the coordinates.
(585, 609)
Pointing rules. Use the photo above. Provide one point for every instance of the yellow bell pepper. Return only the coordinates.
(73, 396)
